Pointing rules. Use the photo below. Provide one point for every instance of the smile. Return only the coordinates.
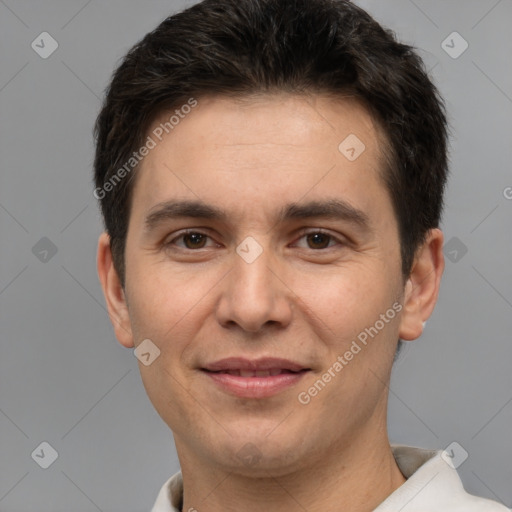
(255, 384)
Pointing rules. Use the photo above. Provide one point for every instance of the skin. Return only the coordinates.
(302, 299)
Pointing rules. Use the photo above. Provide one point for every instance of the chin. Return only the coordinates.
(261, 454)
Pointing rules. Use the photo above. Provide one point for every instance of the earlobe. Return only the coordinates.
(422, 287)
(114, 294)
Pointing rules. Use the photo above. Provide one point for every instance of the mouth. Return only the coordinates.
(256, 373)
(254, 379)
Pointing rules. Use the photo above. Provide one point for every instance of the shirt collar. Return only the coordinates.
(432, 484)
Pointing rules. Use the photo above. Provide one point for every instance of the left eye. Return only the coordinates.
(192, 239)
(316, 240)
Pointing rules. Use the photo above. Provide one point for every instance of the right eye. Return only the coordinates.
(192, 240)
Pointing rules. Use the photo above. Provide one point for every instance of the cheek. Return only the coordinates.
(163, 300)
(165, 309)
(358, 340)
(343, 302)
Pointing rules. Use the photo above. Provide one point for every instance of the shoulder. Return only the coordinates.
(470, 503)
(170, 497)
(433, 485)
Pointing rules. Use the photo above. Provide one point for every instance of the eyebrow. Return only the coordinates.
(336, 209)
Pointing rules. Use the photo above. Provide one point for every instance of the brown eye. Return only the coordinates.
(188, 240)
(194, 240)
(318, 240)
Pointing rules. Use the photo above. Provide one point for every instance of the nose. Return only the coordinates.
(255, 295)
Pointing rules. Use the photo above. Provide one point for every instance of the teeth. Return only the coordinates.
(260, 373)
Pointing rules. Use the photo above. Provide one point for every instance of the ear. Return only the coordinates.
(113, 292)
(422, 287)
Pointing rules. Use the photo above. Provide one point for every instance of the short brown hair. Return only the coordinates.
(241, 47)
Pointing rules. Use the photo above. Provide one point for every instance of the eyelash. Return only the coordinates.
(302, 235)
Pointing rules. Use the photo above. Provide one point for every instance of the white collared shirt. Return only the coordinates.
(432, 485)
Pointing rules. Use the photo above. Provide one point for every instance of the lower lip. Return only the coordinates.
(255, 387)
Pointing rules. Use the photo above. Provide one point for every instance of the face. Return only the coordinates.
(288, 261)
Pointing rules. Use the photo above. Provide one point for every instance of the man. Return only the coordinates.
(271, 176)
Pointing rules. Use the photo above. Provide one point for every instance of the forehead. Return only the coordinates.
(262, 149)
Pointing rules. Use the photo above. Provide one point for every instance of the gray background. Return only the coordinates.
(65, 380)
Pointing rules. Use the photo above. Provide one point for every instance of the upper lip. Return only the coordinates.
(264, 363)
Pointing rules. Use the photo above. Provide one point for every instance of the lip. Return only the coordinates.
(263, 363)
(254, 386)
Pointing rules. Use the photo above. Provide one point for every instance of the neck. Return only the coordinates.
(356, 477)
